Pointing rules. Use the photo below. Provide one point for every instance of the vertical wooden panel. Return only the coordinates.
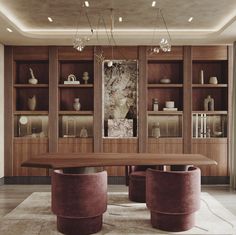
(53, 99)
(8, 111)
(230, 99)
(187, 107)
(97, 119)
(142, 100)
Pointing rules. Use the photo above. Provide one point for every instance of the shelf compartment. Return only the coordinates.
(71, 125)
(40, 70)
(67, 96)
(76, 67)
(164, 85)
(34, 126)
(206, 126)
(210, 69)
(220, 96)
(165, 94)
(22, 95)
(209, 85)
(161, 69)
(170, 125)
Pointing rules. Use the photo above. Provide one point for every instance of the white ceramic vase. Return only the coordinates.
(76, 104)
(32, 102)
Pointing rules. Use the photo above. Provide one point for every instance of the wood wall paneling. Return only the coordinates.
(209, 53)
(30, 53)
(142, 97)
(8, 111)
(120, 52)
(119, 146)
(187, 100)
(216, 149)
(69, 53)
(24, 149)
(177, 53)
(53, 100)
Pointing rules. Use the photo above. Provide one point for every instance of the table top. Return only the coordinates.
(72, 160)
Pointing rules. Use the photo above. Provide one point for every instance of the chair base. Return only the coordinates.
(137, 186)
(81, 226)
(172, 222)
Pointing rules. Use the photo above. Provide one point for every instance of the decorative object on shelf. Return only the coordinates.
(201, 77)
(83, 133)
(208, 133)
(209, 103)
(76, 104)
(120, 128)
(32, 103)
(156, 133)
(32, 80)
(70, 127)
(165, 80)
(155, 104)
(170, 104)
(213, 80)
(71, 79)
(217, 133)
(85, 77)
(23, 120)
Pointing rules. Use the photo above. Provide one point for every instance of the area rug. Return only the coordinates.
(33, 217)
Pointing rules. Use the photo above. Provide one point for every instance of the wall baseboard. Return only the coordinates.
(116, 180)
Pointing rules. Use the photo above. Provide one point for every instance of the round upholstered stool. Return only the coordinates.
(173, 198)
(79, 201)
(137, 186)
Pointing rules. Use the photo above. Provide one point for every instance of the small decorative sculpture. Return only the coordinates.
(156, 133)
(155, 104)
(83, 133)
(209, 103)
(76, 104)
(85, 77)
(213, 80)
(201, 77)
(32, 102)
(71, 79)
(32, 80)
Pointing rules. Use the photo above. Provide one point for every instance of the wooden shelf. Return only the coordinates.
(30, 85)
(165, 112)
(211, 112)
(75, 112)
(209, 85)
(75, 85)
(37, 112)
(164, 85)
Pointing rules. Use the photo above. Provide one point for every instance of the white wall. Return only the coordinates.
(1, 110)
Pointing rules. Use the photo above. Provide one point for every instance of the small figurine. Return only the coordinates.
(85, 77)
(83, 133)
(32, 80)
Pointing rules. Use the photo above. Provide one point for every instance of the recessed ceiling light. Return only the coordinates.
(9, 30)
(190, 19)
(86, 3)
(153, 3)
(120, 19)
(50, 19)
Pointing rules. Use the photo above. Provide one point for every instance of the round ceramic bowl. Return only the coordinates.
(165, 80)
(217, 133)
(170, 104)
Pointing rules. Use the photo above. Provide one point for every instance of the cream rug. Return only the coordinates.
(33, 217)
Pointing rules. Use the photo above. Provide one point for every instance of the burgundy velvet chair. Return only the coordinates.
(173, 198)
(137, 183)
(79, 201)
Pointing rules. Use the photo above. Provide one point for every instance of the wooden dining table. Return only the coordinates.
(76, 160)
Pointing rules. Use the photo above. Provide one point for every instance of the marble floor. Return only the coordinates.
(12, 195)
